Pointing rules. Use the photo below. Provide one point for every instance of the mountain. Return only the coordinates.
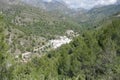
(102, 13)
(11, 2)
(93, 55)
(53, 5)
(28, 27)
(97, 15)
(35, 22)
(79, 15)
(29, 30)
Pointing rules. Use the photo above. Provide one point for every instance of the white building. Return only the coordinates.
(59, 42)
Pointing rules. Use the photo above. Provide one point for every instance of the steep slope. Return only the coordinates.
(93, 55)
(38, 21)
(17, 41)
(32, 20)
(3, 52)
(90, 18)
(28, 28)
(53, 5)
(25, 22)
(96, 16)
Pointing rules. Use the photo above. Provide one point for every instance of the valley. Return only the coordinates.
(48, 46)
(59, 40)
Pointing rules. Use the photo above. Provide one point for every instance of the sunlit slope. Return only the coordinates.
(93, 55)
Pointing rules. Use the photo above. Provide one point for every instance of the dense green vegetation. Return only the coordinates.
(94, 55)
(5, 60)
(39, 22)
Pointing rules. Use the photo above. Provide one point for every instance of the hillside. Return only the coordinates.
(95, 16)
(93, 55)
(28, 27)
(42, 40)
(37, 21)
(17, 41)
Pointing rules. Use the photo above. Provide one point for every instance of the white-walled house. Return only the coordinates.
(59, 42)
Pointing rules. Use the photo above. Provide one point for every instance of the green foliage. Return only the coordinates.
(4, 61)
(94, 55)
